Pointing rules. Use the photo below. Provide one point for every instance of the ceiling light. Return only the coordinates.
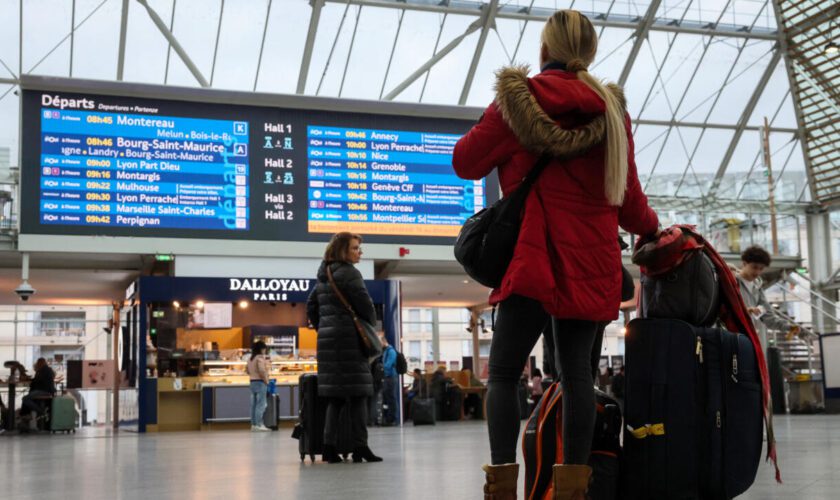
(176, 304)
(623, 331)
(832, 48)
(466, 282)
(243, 304)
(200, 304)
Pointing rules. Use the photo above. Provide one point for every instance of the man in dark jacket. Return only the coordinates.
(344, 374)
(42, 385)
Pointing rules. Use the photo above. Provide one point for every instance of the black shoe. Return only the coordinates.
(330, 455)
(363, 453)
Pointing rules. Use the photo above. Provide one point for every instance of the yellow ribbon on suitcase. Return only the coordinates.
(647, 430)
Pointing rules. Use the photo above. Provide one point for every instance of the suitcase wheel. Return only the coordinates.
(312, 459)
(302, 458)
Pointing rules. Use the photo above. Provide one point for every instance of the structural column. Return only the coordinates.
(820, 268)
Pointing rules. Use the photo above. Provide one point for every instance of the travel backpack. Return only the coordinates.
(401, 365)
(542, 446)
(689, 292)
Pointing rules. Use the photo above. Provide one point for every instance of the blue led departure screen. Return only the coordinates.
(125, 166)
(113, 169)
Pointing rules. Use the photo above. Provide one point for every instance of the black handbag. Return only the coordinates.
(368, 336)
(485, 244)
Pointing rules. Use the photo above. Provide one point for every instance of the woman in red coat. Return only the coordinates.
(567, 262)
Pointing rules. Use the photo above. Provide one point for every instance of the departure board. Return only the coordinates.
(116, 165)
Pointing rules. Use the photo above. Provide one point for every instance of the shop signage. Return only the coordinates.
(269, 289)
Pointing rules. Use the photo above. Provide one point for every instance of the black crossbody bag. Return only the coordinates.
(486, 242)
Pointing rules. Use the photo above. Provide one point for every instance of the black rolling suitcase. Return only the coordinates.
(693, 412)
(453, 403)
(423, 409)
(311, 419)
(271, 417)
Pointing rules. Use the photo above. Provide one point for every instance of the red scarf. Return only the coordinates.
(671, 249)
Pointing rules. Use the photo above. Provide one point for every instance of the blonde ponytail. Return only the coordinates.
(569, 37)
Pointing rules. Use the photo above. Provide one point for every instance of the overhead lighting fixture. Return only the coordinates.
(243, 304)
(466, 282)
(200, 304)
(832, 48)
(623, 331)
(176, 304)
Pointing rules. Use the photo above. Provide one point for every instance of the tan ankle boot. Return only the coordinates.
(500, 481)
(571, 481)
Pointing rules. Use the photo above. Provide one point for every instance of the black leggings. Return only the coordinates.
(357, 413)
(519, 325)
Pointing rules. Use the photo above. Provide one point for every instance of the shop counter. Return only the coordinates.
(178, 404)
(231, 402)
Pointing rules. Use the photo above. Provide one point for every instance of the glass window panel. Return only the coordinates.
(676, 71)
(793, 179)
(745, 77)
(9, 104)
(447, 77)
(328, 26)
(96, 42)
(451, 315)
(648, 141)
(614, 47)
(414, 47)
(45, 24)
(492, 58)
(371, 50)
(414, 349)
(145, 45)
(711, 75)
(9, 36)
(195, 26)
(743, 159)
(239, 44)
(710, 150)
(771, 98)
(288, 26)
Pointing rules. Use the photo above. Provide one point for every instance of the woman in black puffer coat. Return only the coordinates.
(344, 374)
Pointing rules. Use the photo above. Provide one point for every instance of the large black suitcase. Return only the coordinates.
(311, 419)
(693, 412)
(452, 405)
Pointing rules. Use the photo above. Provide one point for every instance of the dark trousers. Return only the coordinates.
(390, 386)
(357, 413)
(520, 322)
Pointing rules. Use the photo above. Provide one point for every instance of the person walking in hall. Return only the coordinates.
(390, 384)
(567, 262)
(754, 260)
(344, 375)
(258, 369)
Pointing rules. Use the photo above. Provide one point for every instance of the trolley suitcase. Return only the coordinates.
(453, 403)
(271, 417)
(311, 419)
(693, 412)
(63, 415)
(423, 411)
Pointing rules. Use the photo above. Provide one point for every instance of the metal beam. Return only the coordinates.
(745, 116)
(314, 19)
(719, 126)
(814, 85)
(216, 46)
(72, 34)
(488, 23)
(123, 32)
(9, 81)
(475, 26)
(176, 45)
(168, 45)
(613, 20)
(262, 44)
(827, 15)
(685, 204)
(641, 35)
(795, 97)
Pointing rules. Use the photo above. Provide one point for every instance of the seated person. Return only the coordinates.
(42, 384)
(418, 385)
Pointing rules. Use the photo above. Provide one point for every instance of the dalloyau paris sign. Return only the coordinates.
(264, 289)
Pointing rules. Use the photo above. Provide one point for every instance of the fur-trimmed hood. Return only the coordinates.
(535, 129)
